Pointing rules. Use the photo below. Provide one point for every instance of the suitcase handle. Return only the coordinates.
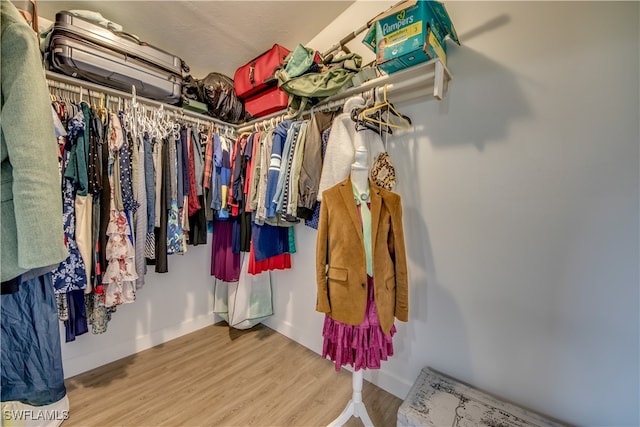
(130, 36)
(252, 70)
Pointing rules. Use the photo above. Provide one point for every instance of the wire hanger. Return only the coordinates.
(392, 119)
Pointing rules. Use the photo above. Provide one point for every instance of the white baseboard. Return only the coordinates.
(387, 381)
(298, 335)
(91, 360)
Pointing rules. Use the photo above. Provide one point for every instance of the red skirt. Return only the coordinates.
(362, 346)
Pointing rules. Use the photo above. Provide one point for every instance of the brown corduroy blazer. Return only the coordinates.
(340, 258)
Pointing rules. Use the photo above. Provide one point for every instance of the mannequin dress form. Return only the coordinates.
(360, 171)
(355, 407)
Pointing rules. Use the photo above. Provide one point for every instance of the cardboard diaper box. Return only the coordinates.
(412, 32)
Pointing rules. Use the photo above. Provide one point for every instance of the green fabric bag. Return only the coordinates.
(299, 61)
(311, 88)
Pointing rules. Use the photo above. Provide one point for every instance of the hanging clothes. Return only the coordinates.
(315, 218)
(105, 209)
(312, 160)
(207, 180)
(194, 203)
(262, 172)
(277, 262)
(119, 276)
(161, 232)
(341, 147)
(284, 174)
(96, 140)
(70, 274)
(32, 238)
(290, 203)
(225, 265)
(277, 146)
(249, 157)
(150, 148)
(197, 217)
(76, 323)
(79, 166)
(359, 308)
(269, 241)
(175, 236)
(362, 346)
(247, 302)
(253, 177)
(98, 316)
(140, 218)
(31, 355)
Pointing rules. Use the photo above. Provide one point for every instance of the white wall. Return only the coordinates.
(168, 306)
(520, 194)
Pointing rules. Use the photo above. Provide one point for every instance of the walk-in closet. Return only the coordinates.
(320, 213)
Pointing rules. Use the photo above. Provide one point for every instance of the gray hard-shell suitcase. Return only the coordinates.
(80, 48)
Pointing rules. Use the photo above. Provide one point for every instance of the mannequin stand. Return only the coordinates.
(355, 407)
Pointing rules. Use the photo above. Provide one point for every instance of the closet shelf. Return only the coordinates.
(415, 82)
(420, 81)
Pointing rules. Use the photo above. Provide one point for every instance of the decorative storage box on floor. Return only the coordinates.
(410, 33)
(437, 400)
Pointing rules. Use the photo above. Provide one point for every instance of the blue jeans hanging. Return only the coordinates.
(31, 367)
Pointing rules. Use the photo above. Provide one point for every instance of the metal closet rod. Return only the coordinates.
(325, 105)
(82, 85)
(415, 82)
(410, 83)
(273, 119)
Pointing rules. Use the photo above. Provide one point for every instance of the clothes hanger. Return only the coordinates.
(354, 106)
(101, 111)
(361, 124)
(393, 118)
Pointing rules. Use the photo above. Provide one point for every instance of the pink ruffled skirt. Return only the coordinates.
(362, 346)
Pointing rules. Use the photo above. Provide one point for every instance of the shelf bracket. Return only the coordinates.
(438, 81)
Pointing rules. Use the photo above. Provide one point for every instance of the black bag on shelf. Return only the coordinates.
(191, 89)
(217, 91)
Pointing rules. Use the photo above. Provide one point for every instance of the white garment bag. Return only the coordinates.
(247, 302)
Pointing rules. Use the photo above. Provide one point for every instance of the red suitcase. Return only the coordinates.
(269, 101)
(257, 74)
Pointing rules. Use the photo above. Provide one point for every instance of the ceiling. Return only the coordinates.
(215, 36)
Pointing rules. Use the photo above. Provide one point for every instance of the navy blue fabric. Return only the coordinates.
(31, 367)
(179, 169)
(10, 286)
(77, 322)
(235, 234)
(126, 174)
(149, 181)
(269, 241)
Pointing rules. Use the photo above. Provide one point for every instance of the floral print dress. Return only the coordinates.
(70, 274)
(119, 278)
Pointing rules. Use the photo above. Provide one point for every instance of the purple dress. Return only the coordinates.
(225, 265)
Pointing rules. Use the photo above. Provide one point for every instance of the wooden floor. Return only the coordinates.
(219, 376)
